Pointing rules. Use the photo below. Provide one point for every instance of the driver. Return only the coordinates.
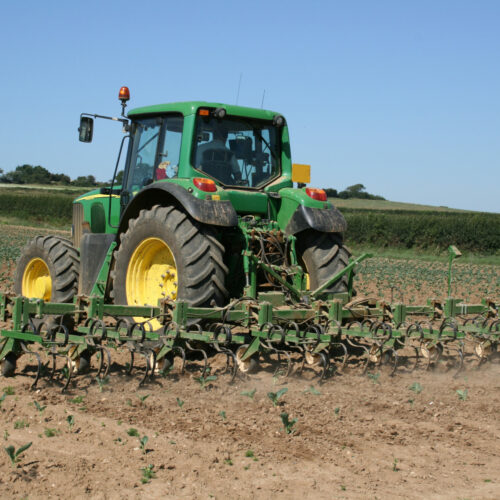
(218, 145)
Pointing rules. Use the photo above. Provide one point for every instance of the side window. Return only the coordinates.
(143, 159)
(170, 148)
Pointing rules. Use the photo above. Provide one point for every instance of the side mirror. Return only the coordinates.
(86, 129)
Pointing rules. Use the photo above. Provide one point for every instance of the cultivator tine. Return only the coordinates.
(182, 355)
(272, 350)
(147, 369)
(231, 364)
(26, 328)
(104, 362)
(390, 358)
(204, 355)
(130, 367)
(344, 356)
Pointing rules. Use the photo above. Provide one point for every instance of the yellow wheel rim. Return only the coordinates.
(151, 275)
(37, 283)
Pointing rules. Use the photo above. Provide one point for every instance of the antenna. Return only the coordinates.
(263, 95)
(239, 85)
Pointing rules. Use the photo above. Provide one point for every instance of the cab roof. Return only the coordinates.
(191, 107)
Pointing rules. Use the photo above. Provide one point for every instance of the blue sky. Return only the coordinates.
(402, 96)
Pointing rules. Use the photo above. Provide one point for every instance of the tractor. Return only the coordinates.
(206, 212)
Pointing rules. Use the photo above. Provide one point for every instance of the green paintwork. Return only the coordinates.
(188, 108)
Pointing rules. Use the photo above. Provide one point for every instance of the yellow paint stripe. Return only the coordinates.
(94, 196)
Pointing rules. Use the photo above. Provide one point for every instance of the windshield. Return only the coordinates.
(237, 151)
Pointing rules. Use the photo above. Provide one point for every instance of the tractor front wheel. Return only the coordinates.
(47, 269)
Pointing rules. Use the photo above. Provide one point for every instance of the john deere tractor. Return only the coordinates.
(206, 212)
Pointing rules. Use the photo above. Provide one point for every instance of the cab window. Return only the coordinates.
(155, 152)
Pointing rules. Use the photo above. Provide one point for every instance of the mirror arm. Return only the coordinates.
(125, 121)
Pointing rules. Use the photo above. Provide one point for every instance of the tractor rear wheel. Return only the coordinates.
(323, 255)
(166, 254)
(47, 269)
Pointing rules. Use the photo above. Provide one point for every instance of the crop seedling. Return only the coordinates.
(374, 377)
(6, 434)
(133, 432)
(249, 394)
(275, 396)
(21, 424)
(180, 402)
(102, 382)
(143, 441)
(287, 423)
(312, 390)
(143, 398)
(205, 381)
(39, 407)
(71, 421)
(462, 394)
(2, 398)
(223, 415)
(416, 388)
(395, 465)
(276, 377)
(337, 411)
(147, 473)
(15, 454)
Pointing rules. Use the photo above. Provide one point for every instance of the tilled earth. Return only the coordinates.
(356, 436)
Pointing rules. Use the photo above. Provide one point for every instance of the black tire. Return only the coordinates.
(198, 255)
(323, 255)
(8, 365)
(62, 261)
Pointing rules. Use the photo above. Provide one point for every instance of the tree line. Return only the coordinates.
(354, 191)
(29, 174)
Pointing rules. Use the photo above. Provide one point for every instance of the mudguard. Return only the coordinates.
(326, 220)
(209, 211)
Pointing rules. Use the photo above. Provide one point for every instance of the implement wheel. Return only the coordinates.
(323, 256)
(166, 254)
(8, 365)
(47, 269)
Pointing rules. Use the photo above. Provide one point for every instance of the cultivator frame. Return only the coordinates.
(278, 319)
(324, 334)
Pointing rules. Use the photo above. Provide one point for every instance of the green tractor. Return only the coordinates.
(206, 212)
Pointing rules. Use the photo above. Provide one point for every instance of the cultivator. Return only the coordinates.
(327, 336)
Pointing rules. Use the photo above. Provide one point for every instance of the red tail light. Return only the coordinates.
(316, 194)
(207, 185)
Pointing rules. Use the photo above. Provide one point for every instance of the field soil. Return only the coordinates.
(355, 436)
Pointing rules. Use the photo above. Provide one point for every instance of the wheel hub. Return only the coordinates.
(36, 282)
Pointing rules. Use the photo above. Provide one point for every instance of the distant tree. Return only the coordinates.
(85, 181)
(331, 193)
(118, 179)
(61, 179)
(358, 191)
(355, 189)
